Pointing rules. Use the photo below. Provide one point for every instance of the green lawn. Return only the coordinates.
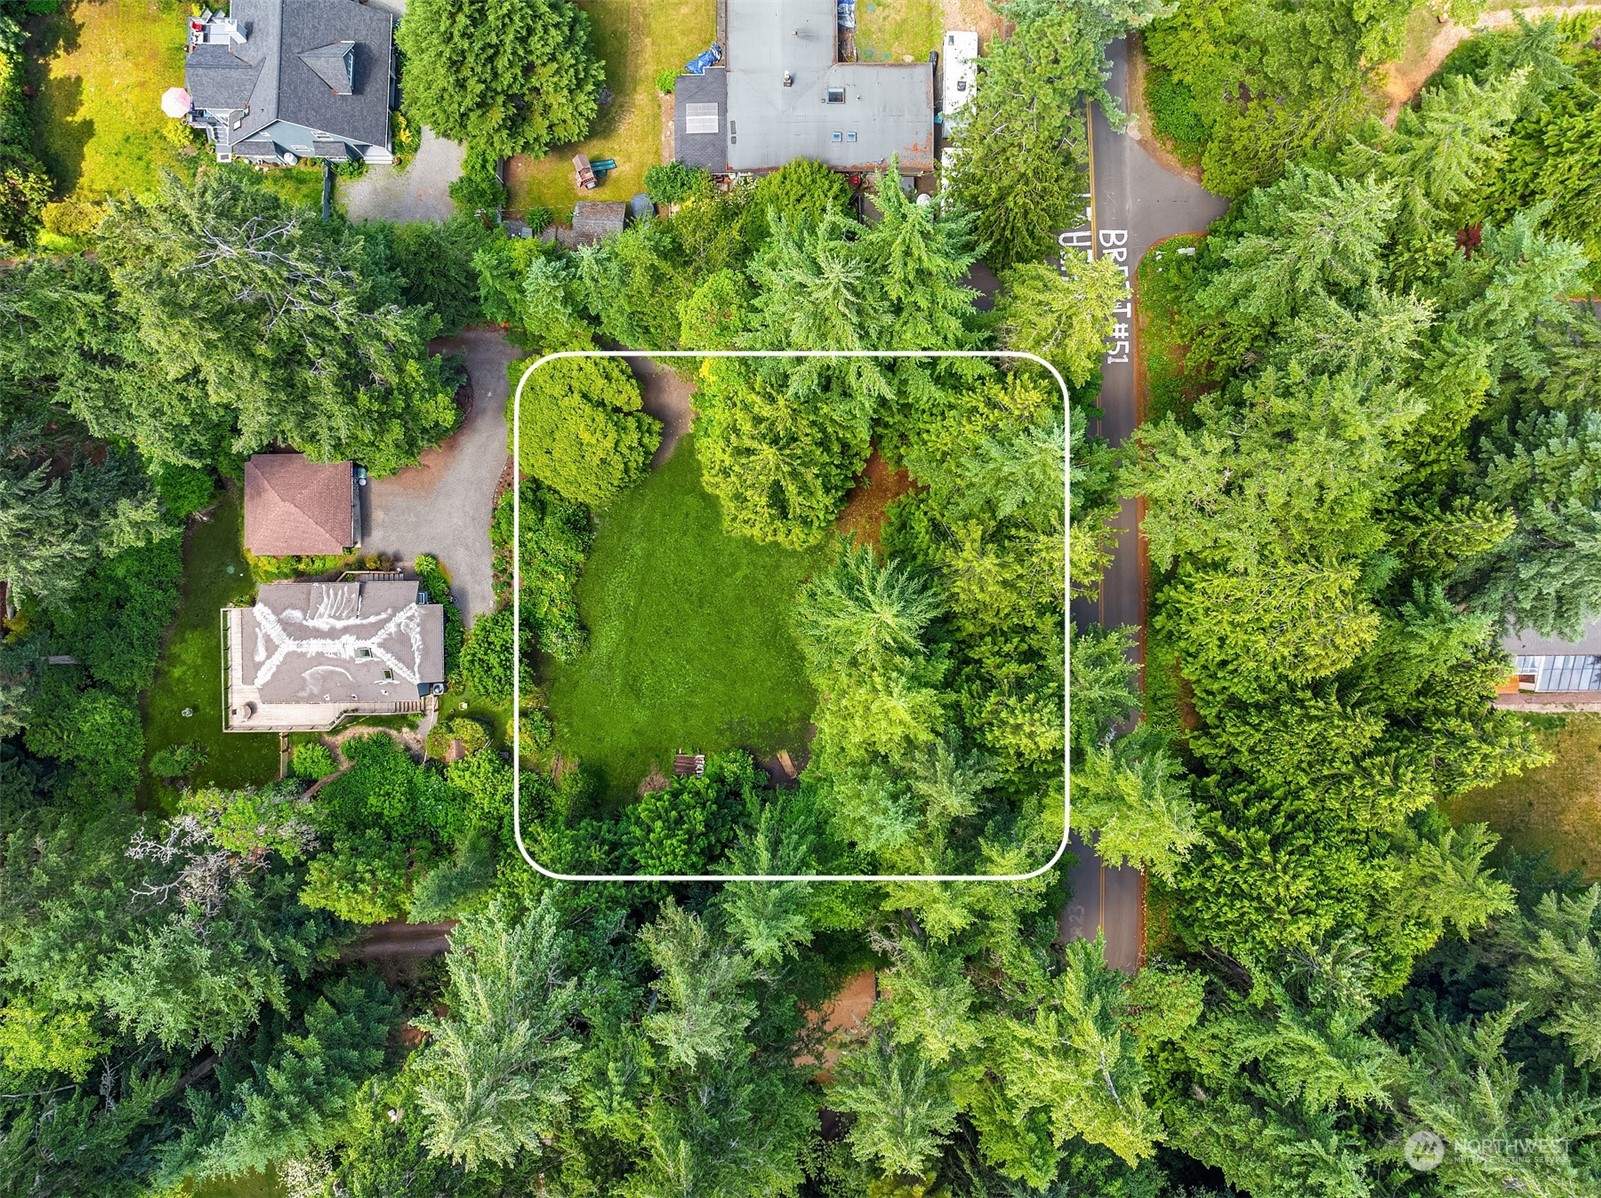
(892, 30)
(101, 71)
(251, 1185)
(190, 673)
(637, 39)
(300, 185)
(690, 646)
(1556, 807)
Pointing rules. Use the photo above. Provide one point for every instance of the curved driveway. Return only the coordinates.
(443, 504)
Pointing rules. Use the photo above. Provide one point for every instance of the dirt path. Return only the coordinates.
(976, 15)
(400, 939)
(1404, 79)
(669, 398)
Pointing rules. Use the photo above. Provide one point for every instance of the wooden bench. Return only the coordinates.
(686, 764)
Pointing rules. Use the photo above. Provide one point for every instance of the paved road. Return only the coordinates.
(443, 504)
(1136, 203)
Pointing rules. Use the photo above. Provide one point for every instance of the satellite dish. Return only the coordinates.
(175, 102)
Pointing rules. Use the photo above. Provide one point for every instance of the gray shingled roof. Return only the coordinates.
(290, 67)
(305, 98)
(335, 65)
(884, 110)
(706, 150)
(218, 79)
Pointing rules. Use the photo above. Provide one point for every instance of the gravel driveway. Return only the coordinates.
(421, 192)
(443, 504)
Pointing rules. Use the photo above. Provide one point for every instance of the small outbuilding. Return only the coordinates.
(299, 508)
(593, 221)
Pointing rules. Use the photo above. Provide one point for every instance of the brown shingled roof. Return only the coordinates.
(296, 507)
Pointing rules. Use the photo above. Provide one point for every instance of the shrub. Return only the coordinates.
(537, 732)
(582, 429)
(671, 182)
(489, 656)
(404, 138)
(479, 189)
(556, 534)
(667, 80)
(1174, 114)
(311, 761)
(802, 190)
(177, 761)
(185, 490)
(432, 577)
(73, 218)
(468, 731)
(278, 569)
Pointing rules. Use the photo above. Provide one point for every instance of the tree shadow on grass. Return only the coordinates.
(58, 138)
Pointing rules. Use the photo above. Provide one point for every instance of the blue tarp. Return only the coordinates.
(707, 58)
(847, 14)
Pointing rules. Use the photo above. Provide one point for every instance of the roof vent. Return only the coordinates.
(834, 95)
(789, 80)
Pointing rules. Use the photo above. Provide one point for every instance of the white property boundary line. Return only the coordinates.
(516, 604)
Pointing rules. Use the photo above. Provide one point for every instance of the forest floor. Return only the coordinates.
(1430, 42)
(189, 674)
(637, 39)
(1556, 807)
(867, 506)
(690, 647)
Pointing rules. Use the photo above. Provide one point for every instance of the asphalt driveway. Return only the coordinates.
(443, 504)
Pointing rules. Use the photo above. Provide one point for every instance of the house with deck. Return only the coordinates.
(277, 81)
(305, 655)
(787, 87)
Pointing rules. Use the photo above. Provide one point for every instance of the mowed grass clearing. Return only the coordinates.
(637, 39)
(1556, 807)
(690, 644)
(101, 69)
(892, 30)
(190, 671)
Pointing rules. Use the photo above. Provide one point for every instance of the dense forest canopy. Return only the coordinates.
(1376, 462)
